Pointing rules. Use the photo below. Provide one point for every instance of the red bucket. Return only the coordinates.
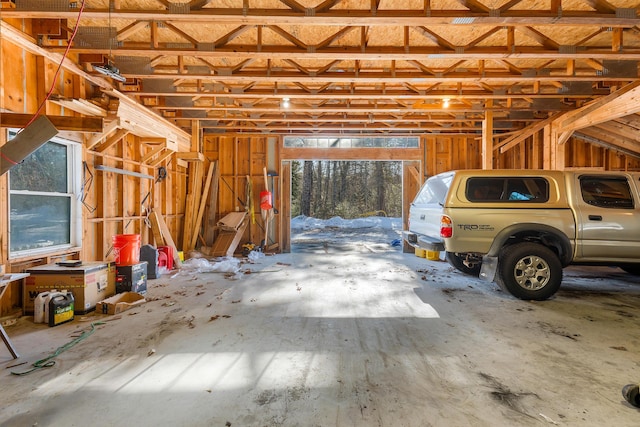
(126, 248)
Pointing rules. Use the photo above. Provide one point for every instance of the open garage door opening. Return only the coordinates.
(339, 206)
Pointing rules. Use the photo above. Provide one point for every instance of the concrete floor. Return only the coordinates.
(338, 336)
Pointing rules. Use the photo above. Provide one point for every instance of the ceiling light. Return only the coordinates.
(110, 70)
(445, 102)
(285, 103)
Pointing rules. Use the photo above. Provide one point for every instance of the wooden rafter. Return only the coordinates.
(622, 102)
(539, 37)
(287, 36)
(474, 6)
(396, 68)
(335, 37)
(438, 40)
(293, 5)
(483, 15)
(601, 6)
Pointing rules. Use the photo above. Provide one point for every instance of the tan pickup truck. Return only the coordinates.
(522, 227)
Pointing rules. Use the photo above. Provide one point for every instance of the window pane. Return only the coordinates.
(39, 221)
(606, 192)
(43, 170)
(507, 189)
(348, 142)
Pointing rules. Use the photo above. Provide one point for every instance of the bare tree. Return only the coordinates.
(379, 186)
(307, 186)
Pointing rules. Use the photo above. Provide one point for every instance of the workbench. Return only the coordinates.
(4, 284)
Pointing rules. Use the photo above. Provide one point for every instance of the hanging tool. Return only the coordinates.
(273, 189)
(162, 174)
(266, 206)
(249, 204)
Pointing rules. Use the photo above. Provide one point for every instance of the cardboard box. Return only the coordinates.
(90, 282)
(119, 303)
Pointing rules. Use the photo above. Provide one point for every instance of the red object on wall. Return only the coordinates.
(265, 200)
(165, 257)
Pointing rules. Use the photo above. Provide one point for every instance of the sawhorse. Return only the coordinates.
(4, 283)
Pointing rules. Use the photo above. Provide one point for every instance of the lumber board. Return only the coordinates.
(98, 137)
(161, 158)
(64, 123)
(186, 234)
(227, 241)
(112, 140)
(152, 153)
(209, 229)
(191, 156)
(193, 200)
(165, 235)
(26, 142)
(203, 204)
(80, 105)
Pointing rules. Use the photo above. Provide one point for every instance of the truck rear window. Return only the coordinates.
(507, 189)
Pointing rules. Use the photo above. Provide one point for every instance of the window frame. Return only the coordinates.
(592, 198)
(73, 194)
(505, 191)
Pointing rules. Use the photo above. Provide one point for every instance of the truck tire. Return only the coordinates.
(457, 262)
(529, 271)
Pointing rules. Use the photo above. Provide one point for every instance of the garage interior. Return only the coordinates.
(173, 111)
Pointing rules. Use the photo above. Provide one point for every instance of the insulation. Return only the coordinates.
(48, 5)
(97, 37)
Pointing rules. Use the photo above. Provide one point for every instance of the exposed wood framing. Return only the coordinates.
(66, 123)
(203, 203)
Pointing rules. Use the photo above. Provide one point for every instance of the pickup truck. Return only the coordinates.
(522, 227)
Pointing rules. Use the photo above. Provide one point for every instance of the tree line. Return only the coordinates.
(348, 189)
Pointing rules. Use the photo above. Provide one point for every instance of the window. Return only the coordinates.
(348, 142)
(44, 213)
(508, 189)
(606, 192)
(435, 189)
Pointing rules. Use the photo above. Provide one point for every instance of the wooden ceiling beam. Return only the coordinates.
(474, 6)
(416, 93)
(65, 123)
(132, 29)
(293, 5)
(377, 53)
(198, 4)
(352, 109)
(181, 33)
(361, 118)
(623, 102)
(419, 128)
(325, 6)
(600, 137)
(335, 37)
(536, 35)
(344, 17)
(620, 130)
(222, 41)
(372, 77)
(505, 7)
(514, 140)
(434, 37)
(287, 36)
(601, 6)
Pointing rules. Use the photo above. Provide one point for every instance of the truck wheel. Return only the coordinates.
(458, 263)
(529, 271)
